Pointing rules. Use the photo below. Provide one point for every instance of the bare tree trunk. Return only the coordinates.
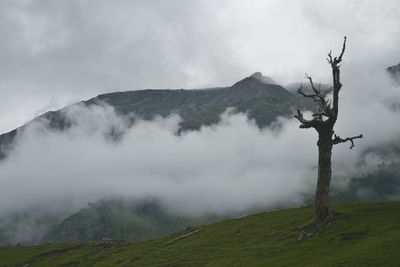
(322, 212)
(324, 119)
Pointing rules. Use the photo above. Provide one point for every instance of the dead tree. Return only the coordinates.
(323, 121)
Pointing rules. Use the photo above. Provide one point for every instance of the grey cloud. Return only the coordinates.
(55, 53)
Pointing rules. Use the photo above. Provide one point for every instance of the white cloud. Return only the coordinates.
(226, 168)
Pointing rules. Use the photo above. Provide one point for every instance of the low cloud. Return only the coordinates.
(229, 167)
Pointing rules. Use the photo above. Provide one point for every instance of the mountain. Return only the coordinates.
(120, 219)
(264, 79)
(363, 234)
(108, 218)
(28, 226)
(256, 95)
(263, 102)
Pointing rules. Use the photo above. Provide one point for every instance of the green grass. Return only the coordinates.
(362, 234)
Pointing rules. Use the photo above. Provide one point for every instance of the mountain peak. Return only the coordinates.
(261, 78)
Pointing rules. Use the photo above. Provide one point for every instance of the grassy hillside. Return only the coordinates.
(362, 234)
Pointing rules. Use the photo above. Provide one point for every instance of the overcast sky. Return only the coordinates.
(53, 53)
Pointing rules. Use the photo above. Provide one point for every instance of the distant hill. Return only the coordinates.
(362, 234)
(256, 95)
(394, 72)
(119, 219)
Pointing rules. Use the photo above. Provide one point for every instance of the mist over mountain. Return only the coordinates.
(193, 128)
(112, 116)
(257, 96)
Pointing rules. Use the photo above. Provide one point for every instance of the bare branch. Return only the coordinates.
(343, 49)
(316, 96)
(316, 91)
(338, 140)
(305, 123)
(329, 58)
(324, 107)
(336, 60)
(337, 85)
(301, 92)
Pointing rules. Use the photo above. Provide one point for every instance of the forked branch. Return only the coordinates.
(305, 123)
(336, 60)
(338, 140)
(337, 85)
(316, 96)
(323, 106)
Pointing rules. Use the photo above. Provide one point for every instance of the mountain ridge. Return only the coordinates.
(197, 107)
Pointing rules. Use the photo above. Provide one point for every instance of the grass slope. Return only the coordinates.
(362, 234)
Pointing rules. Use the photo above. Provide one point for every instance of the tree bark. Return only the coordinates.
(322, 211)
